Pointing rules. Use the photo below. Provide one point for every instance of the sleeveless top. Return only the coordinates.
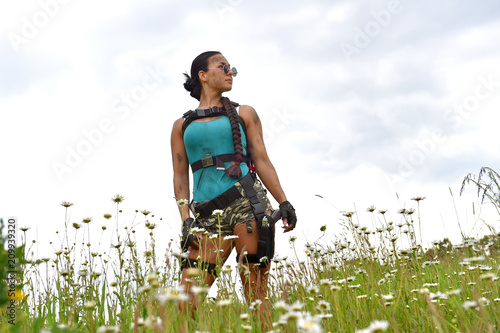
(211, 138)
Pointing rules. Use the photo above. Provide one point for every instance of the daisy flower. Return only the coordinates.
(182, 202)
(217, 212)
(375, 326)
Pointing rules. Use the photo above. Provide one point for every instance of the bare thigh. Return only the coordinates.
(246, 242)
(253, 277)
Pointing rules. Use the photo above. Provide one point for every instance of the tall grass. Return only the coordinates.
(367, 280)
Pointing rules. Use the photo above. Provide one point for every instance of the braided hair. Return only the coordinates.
(200, 63)
(234, 170)
(193, 85)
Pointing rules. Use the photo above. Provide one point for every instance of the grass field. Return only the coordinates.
(368, 280)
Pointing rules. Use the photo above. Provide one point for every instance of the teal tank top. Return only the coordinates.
(212, 138)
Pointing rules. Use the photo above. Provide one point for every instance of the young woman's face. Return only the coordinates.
(215, 76)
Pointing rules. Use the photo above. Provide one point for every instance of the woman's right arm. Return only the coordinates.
(181, 167)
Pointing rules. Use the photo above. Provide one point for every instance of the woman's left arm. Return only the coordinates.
(265, 169)
(255, 144)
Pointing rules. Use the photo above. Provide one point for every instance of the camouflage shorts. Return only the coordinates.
(239, 211)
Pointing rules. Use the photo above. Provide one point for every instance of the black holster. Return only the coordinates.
(266, 243)
(266, 235)
(265, 222)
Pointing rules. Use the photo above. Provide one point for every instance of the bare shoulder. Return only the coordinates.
(249, 115)
(178, 125)
(176, 134)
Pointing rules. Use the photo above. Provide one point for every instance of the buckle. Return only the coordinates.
(207, 161)
(219, 164)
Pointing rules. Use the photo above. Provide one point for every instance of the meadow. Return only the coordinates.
(370, 279)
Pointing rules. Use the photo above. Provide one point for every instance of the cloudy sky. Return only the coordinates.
(364, 103)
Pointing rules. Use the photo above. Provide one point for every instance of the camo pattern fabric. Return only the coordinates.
(239, 211)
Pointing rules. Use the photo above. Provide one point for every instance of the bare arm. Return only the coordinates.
(181, 167)
(263, 165)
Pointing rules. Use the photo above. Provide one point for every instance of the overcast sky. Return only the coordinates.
(364, 103)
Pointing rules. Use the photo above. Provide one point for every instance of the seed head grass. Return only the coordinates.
(374, 277)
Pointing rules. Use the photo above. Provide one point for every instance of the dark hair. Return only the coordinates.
(200, 63)
(234, 170)
(193, 85)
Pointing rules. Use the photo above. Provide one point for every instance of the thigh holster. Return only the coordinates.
(204, 266)
(266, 230)
(253, 259)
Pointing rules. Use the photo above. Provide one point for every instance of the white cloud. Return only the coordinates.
(345, 130)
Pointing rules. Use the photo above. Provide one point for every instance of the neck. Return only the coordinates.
(209, 100)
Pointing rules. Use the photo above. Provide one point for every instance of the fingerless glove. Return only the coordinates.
(187, 237)
(287, 211)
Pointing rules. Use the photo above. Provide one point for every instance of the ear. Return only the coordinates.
(203, 76)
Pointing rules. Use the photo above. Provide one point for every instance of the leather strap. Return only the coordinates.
(258, 209)
(209, 161)
(205, 266)
(201, 113)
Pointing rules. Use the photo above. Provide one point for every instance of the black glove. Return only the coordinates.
(287, 211)
(187, 237)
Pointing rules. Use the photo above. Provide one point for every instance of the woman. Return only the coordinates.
(217, 140)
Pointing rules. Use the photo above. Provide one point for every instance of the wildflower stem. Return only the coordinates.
(435, 315)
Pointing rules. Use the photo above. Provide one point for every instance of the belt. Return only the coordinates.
(225, 199)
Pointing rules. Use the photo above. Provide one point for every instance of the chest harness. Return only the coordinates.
(218, 160)
(232, 194)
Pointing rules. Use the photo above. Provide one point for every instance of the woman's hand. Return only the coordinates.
(188, 239)
(288, 215)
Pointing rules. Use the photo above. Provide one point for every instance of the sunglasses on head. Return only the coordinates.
(227, 69)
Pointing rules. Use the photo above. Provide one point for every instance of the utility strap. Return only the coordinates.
(201, 113)
(209, 161)
(258, 209)
(204, 266)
